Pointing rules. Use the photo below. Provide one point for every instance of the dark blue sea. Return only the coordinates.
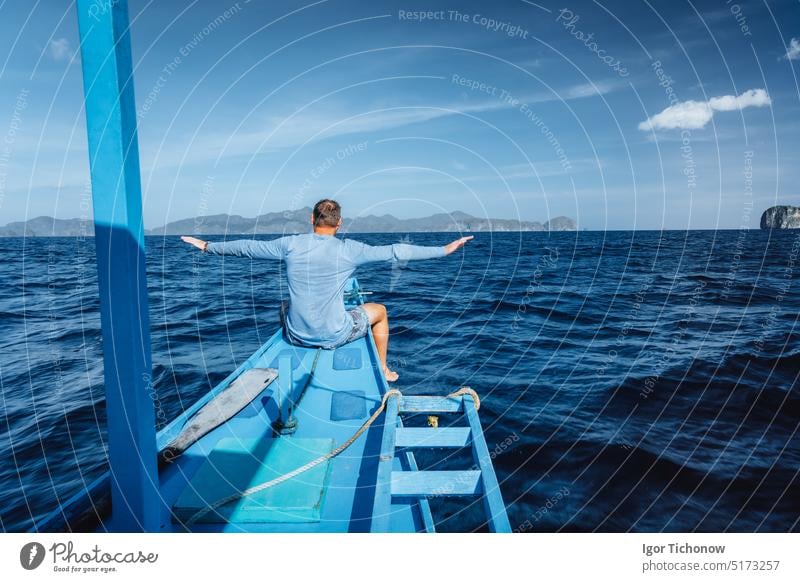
(630, 381)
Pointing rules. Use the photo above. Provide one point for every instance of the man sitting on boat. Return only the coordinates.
(318, 266)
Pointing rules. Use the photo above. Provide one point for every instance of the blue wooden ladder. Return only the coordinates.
(480, 481)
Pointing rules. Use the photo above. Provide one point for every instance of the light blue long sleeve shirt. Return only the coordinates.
(318, 267)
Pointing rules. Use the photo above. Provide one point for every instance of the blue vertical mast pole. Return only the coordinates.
(119, 241)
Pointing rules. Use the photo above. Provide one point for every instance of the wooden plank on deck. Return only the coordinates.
(430, 404)
(445, 437)
(382, 507)
(492, 498)
(436, 483)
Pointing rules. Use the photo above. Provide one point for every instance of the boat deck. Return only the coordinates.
(344, 390)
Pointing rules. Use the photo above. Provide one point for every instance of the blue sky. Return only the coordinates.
(620, 114)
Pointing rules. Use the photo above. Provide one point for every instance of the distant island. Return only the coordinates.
(781, 217)
(293, 222)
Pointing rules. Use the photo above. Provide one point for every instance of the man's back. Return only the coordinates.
(317, 267)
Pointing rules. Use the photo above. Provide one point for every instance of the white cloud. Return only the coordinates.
(751, 98)
(59, 50)
(793, 50)
(523, 171)
(686, 115)
(696, 114)
(588, 90)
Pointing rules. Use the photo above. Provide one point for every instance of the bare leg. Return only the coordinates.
(379, 321)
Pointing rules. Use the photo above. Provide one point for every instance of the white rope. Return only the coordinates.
(306, 467)
(467, 390)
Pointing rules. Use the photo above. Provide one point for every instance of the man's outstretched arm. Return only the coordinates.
(255, 249)
(403, 252)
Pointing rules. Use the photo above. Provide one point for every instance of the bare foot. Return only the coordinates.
(390, 375)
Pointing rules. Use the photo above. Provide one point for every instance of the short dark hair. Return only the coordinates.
(327, 212)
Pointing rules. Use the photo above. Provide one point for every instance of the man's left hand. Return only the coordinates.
(457, 244)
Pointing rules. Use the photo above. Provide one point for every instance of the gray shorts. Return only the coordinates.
(360, 324)
(359, 329)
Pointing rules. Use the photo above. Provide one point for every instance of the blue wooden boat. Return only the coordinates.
(317, 444)
(372, 485)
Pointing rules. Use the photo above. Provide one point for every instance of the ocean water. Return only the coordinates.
(630, 381)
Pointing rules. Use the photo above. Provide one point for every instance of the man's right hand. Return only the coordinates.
(195, 242)
(457, 244)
